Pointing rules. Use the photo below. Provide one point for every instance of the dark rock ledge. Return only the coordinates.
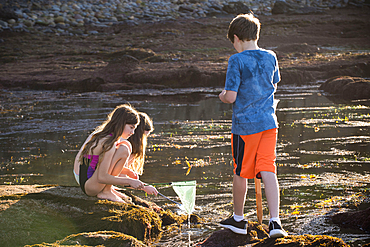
(347, 87)
(33, 215)
(133, 68)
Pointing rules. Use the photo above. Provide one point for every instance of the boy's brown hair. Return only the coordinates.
(245, 26)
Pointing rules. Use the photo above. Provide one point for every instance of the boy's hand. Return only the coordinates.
(222, 94)
(227, 96)
(150, 190)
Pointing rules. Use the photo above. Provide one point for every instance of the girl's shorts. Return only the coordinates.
(254, 153)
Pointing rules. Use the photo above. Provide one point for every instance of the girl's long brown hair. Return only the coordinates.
(111, 129)
(139, 142)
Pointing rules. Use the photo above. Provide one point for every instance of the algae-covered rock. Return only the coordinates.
(138, 221)
(303, 240)
(101, 238)
(258, 237)
(230, 239)
(51, 213)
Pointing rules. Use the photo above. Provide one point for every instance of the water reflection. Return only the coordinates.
(323, 150)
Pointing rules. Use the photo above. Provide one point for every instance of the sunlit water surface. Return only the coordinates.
(323, 151)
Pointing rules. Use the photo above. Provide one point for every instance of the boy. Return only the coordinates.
(251, 80)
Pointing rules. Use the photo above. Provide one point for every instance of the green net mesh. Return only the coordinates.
(186, 190)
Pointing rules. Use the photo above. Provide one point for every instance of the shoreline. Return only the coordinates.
(184, 53)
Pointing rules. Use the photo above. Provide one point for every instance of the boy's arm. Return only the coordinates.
(228, 96)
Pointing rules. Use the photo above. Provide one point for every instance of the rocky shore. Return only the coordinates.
(110, 45)
(113, 45)
(75, 219)
(65, 17)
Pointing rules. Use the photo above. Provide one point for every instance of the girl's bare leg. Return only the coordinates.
(103, 191)
(109, 193)
(117, 171)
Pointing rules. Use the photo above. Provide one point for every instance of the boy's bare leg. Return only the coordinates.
(272, 193)
(273, 201)
(239, 194)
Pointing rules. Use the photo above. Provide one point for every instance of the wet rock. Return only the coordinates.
(236, 8)
(186, 76)
(291, 8)
(258, 237)
(3, 24)
(302, 240)
(64, 211)
(230, 239)
(298, 76)
(138, 53)
(347, 87)
(101, 238)
(299, 47)
(117, 68)
(7, 14)
(185, 9)
(354, 220)
(59, 19)
(88, 85)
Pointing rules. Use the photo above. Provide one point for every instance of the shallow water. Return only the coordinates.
(323, 151)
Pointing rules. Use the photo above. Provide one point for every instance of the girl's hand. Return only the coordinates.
(137, 184)
(150, 190)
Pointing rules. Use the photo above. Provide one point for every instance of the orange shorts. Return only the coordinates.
(254, 153)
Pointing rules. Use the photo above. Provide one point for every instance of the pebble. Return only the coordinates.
(70, 16)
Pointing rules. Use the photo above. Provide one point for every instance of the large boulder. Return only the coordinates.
(258, 237)
(117, 68)
(138, 53)
(179, 76)
(101, 238)
(87, 85)
(7, 14)
(32, 214)
(230, 239)
(359, 219)
(347, 87)
(236, 8)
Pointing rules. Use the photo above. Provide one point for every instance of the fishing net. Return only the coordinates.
(186, 190)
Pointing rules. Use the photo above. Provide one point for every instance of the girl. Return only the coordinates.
(105, 152)
(138, 140)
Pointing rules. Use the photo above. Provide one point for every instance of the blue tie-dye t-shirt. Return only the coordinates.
(252, 74)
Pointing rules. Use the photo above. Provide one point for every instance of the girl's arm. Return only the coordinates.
(128, 172)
